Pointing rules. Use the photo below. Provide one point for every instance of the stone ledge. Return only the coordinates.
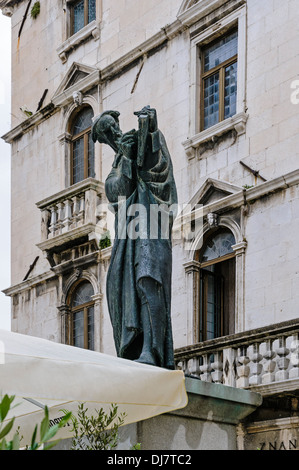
(91, 30)
(236, 123)
(218, 403)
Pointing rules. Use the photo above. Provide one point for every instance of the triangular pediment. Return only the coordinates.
(213, 190)
(186, 5)
(75, 74)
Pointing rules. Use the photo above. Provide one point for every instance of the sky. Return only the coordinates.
(5, 78)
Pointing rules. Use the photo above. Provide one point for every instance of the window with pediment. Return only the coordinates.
(82, 146)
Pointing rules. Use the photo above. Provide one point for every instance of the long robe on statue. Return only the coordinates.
(142, 250)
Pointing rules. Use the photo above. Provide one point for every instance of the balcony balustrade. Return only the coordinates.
(71, 214)
(265, 359)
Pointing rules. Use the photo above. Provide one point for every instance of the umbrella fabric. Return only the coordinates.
(43, 373)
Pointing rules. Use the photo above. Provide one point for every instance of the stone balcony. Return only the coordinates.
(264, 360)
(72, 215)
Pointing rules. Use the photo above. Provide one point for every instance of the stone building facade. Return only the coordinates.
(223, 76)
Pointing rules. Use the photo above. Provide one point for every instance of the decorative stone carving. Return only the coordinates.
(78, 98)
(212, 219)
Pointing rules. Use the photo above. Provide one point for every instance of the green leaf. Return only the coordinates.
(65, 419)
(7, 428)
(3, 444)
(50, 433)
(33, 438)
(44, 427)
(5, 406)
(51, 444)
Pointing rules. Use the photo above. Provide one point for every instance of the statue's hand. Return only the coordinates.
(128, 145)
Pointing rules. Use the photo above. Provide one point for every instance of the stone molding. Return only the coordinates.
(25, 285)
(67, 96)
(91, 30)
(190, 15)
(240, 198)
(236, 123)
(89, 183)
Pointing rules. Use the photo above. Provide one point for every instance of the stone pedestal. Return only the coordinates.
(209, 421)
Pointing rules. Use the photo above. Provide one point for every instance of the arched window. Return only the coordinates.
(82, 151)
(217, 286)
(82, 315)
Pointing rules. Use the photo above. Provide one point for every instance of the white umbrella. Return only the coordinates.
(43, 373)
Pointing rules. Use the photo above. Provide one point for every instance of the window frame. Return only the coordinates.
(200, 38)
(72, 17)
(201, 308)
(85, 307)
(74, 138)
(218, 69)
(203, 313)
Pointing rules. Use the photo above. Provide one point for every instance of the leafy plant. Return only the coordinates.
(5, 406)
(35, 10)
(94, 432)
(105, 242)
(46, 432)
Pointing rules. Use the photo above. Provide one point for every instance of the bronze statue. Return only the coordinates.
(139, 277)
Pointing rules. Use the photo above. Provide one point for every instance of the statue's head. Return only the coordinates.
(106, 130)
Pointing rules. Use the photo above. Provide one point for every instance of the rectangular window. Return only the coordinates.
(83, 12)
(219, 80)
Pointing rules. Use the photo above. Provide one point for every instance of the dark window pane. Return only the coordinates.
(211, 100)
(91, 10)
(230, 91)
(83, 121)
(218, 246)
(91, 328)
(78, 16)
(220, 51)
(78, 329)
(91, 166)
(82, 294)
(78, 161)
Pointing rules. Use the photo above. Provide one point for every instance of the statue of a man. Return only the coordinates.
(139, 276)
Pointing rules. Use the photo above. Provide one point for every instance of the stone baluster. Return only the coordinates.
(283, 361)
(185, 366)
(60, 217)
(53, 222)
(45, 219)
(217, 369)
(243, 370)
(294, 359)
(179, 365)
(76, 209)
(256, 366)
(81, 215)
(67, 215)
(91, 206)
(194, 367)
(270, 365)
(229, 367)
(205, 369)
